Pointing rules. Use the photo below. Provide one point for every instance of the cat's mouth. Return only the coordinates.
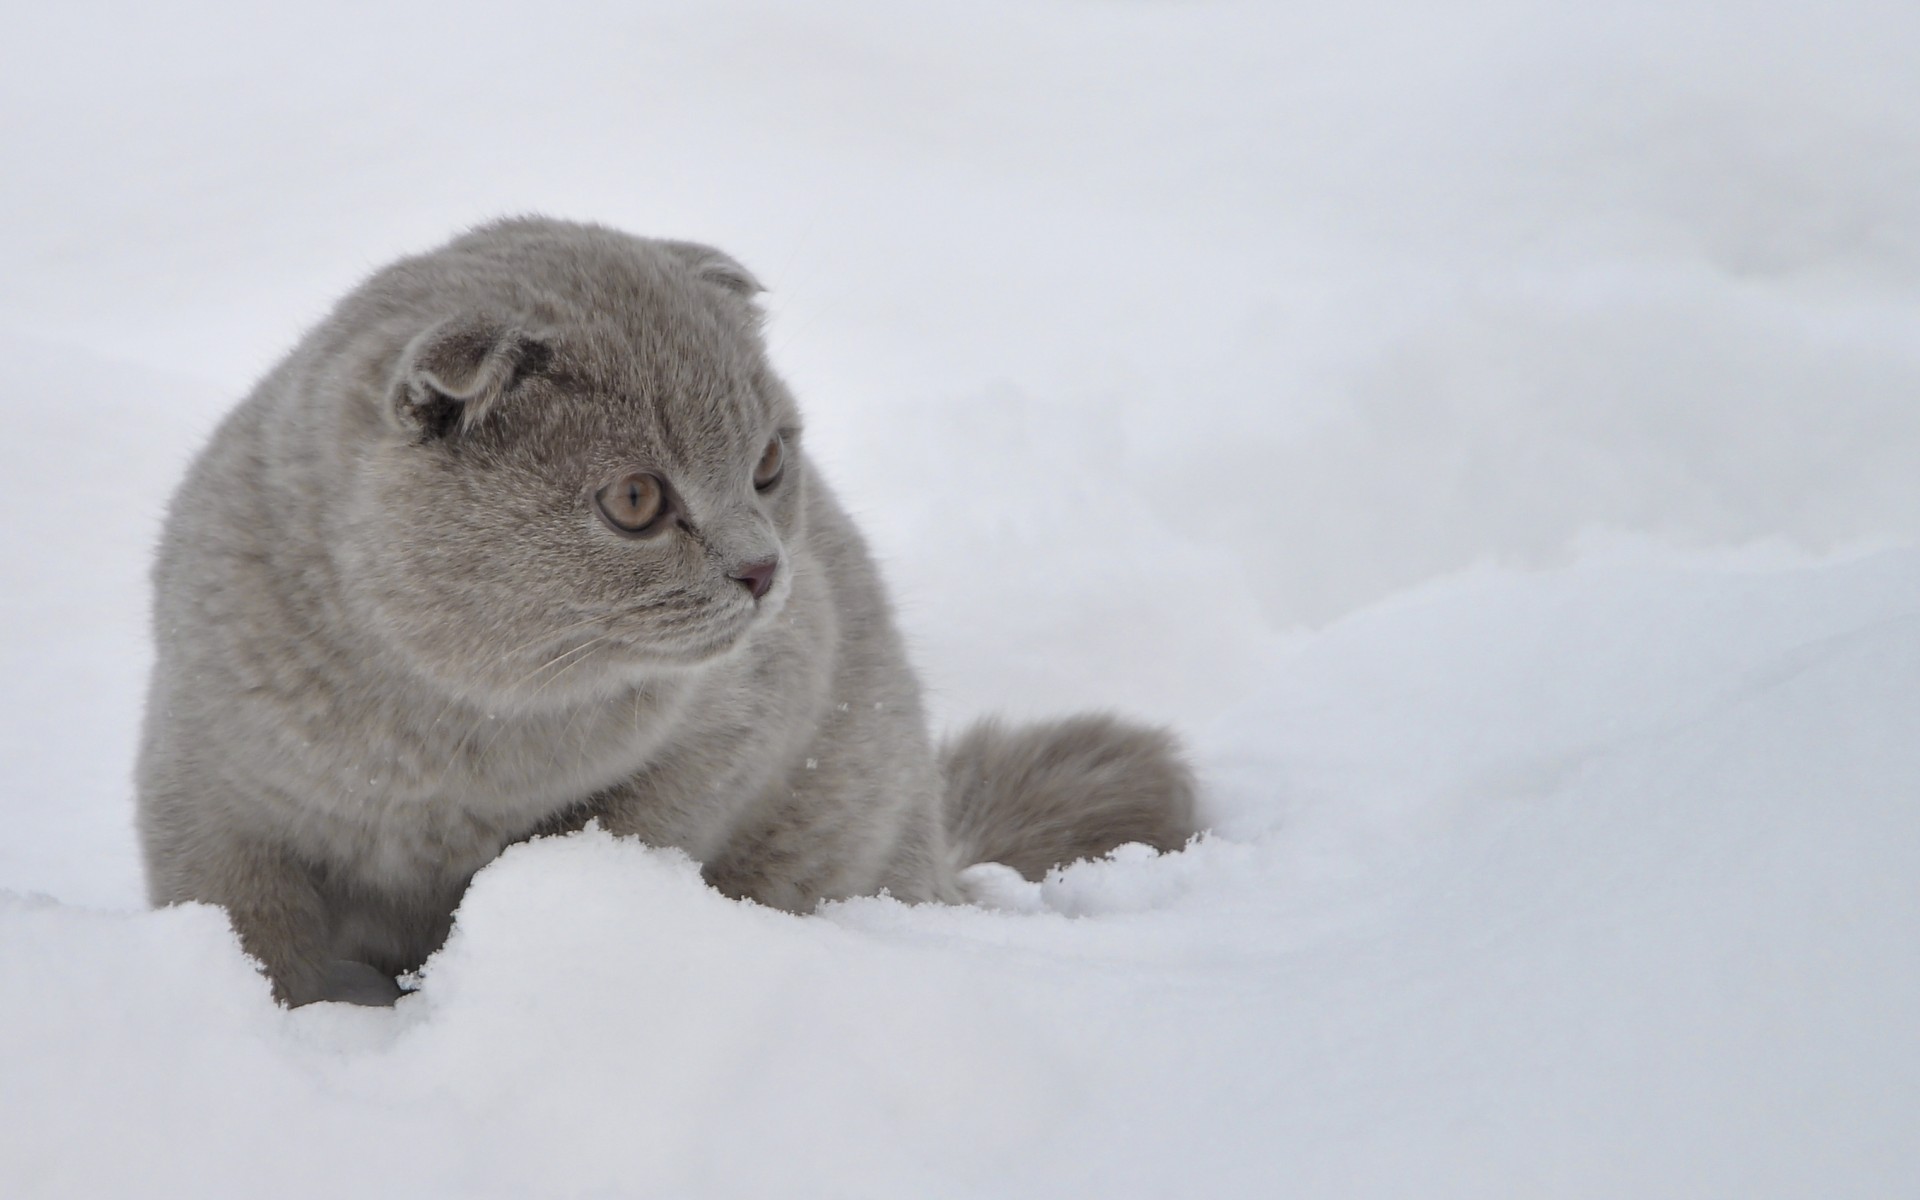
(672, 634)
(657, 635)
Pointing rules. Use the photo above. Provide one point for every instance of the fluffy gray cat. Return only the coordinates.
(522, 535)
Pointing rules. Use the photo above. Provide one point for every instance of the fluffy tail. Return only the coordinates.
(1060, 791)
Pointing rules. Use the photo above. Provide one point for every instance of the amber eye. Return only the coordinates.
(632, 502)
(766, 472)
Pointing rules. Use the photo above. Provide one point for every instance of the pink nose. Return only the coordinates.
(756, 577)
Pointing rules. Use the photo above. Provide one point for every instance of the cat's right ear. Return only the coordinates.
(452, 375)
(712, 266)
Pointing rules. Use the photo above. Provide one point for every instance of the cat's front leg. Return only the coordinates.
(276, 906)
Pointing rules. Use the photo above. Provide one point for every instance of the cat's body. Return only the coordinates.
(522, 535)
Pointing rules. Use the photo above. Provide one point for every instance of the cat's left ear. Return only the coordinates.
(452, 374)
(717, 268)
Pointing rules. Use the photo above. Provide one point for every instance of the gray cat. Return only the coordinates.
(522, 535)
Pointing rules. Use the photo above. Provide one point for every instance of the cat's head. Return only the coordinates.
(583, 470)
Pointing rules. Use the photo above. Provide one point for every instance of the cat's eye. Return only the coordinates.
(633, 502)
(772, 462)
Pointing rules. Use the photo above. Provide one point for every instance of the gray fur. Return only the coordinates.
(1050, 793)
(393, 637)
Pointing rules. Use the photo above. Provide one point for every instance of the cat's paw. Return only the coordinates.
(1000, 887)
(348, 982)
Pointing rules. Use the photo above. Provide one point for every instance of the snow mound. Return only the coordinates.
(1593, 883)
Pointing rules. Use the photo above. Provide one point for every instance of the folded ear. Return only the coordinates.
(714, 267)
(453, 373)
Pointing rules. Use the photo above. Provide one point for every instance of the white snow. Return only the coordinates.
(1489, 430)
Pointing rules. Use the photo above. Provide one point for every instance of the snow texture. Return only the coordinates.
(1488, 430)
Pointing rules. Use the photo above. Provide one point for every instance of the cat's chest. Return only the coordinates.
(424, 795)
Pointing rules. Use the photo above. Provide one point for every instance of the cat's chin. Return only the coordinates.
(729, 628)
(678, 659)
(691, 651)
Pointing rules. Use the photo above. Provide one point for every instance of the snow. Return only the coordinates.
(1486, 429)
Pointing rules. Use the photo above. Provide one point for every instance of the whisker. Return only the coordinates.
(578, 654)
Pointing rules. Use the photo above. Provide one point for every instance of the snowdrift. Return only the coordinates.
(1597, 883)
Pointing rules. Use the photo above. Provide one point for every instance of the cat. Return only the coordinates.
(524, 535)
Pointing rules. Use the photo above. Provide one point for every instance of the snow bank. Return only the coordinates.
(1597, 883)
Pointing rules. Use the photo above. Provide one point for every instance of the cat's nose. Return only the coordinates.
(756, 577)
